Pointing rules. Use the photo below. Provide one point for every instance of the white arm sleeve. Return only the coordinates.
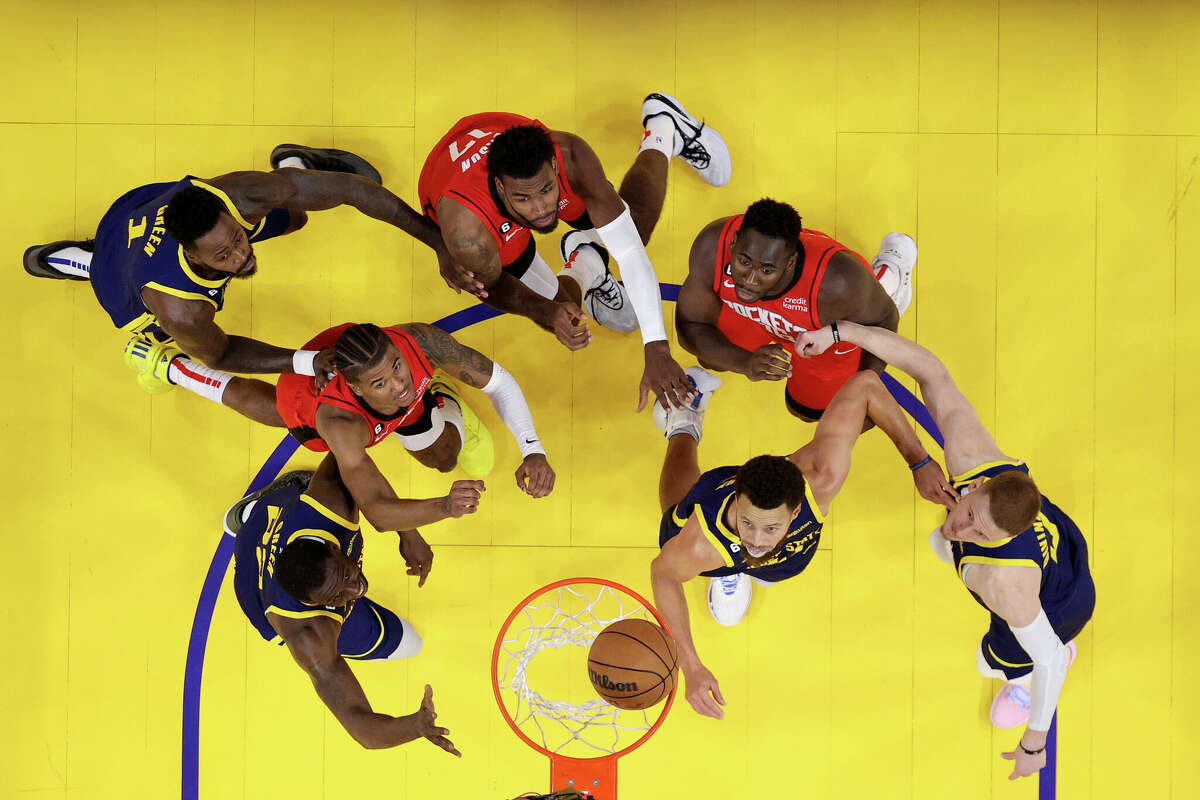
(624, 243)
(509, 402)
(1049, 669)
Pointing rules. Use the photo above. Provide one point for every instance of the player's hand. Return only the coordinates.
(463, 498)
(771, 362)
(932, 484)
(325, 368)
(417, 554)
(458, 277)
(569, 324)
(813, 343)
(663, 376)
(1024, 764)
(535, 477)
(703, 692)
(426, 719)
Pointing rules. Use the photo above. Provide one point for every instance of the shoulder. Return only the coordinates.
(313, 640)
(583, 168)
(704, 247)
(254, 192)
(178, 310)
(850, 291)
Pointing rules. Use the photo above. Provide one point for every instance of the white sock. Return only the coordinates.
(450, 412)
(586, 267)
(291, 161)
(660, 135)
(72, 261)
(195, 377)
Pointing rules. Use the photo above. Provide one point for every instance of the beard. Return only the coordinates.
(758, 561)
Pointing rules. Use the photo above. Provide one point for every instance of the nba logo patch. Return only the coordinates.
(506, 227)
(378, 429)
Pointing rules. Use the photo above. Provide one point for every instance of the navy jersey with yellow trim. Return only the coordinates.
(1054, 544)
(133, 250)
(709, 499)
(278, 518)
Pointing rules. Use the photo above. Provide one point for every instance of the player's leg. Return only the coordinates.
(161, 365)
(298, 156)
(327, 488)
(683, 428)
(449, 433)
(374, 633)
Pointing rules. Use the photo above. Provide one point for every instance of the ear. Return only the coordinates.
(791, 262)
(192, 256)
(796, 512)
(354, 388)
(499, 185)
(975, 484)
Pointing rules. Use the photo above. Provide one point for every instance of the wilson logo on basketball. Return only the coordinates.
(601, 681)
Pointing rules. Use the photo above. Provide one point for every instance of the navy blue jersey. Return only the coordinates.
(1053, 544)
(709, 499)
(276, 519)
(133, 251)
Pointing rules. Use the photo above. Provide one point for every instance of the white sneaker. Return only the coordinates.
(703, 148)
(604, 299)
(941, 548)
(729, 598)
(691, 418)
(894, 265)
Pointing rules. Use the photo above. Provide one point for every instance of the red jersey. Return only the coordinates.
(297, 400)
(457, 168)
(782, 319)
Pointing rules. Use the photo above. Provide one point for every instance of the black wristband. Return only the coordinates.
(1021, 745)
(836, 336)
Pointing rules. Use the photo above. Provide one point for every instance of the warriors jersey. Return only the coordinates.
(278, 518)
(1053, 544)
(709, 500)
(457, 168)
(133, 251)
(297, 400)
(785, 316)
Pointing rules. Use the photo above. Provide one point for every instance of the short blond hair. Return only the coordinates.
(1013, 501)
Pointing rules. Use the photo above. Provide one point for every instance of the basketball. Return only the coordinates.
(632, 664)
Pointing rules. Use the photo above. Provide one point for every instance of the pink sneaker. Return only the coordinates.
(1011, 706)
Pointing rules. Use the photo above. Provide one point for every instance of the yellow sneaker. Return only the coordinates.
(151, 359)
(478, 455)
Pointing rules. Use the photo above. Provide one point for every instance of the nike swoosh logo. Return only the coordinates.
(530, 441)
(837, 352)
(728, 284)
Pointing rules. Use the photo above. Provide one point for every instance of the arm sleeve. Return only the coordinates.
(624, 243)
(1049, 669)
(509, 402)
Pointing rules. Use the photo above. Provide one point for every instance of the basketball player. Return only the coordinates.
(494, 177)
(298, 578)
(384, 384)
(758, 279)
(1020, 556)
(164, 253)
(762, 520)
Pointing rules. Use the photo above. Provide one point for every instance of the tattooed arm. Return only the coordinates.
(463, 363)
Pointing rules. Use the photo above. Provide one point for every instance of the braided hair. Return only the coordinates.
(191, 213)
(359, 347)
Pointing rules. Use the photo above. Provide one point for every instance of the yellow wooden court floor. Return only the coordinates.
(1043, 155)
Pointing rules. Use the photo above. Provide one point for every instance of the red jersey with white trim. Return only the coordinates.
(457, 168)
(297, 400)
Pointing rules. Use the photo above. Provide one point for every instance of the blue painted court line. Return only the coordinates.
(193, 672)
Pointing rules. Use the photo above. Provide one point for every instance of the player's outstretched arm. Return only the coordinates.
(849, 292)
(699, 309)
(192, 324)
(1013, 594)
(682, 558)
(662, 375)
(347, 438)
(825, 461)
(313, 644)
(968, 443)
(256, 193)
(534, 476)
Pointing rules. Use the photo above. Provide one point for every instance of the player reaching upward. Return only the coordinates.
(164, 253)
(762, 520)
(757, 280)
(494, 177)
(384, 384)
(299, 580)
(1021, 557)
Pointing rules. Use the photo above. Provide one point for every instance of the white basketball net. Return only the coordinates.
(571, 616)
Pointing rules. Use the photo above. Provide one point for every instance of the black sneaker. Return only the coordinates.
(233, 517)
(326, 159)
(37, 260)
